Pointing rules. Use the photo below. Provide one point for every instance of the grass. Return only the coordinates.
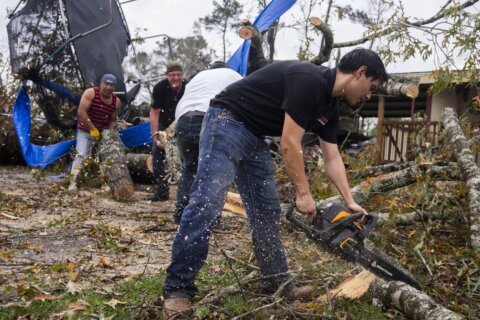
(136, 300)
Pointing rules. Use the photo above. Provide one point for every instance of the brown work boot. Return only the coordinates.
(177, 308)
(302, 294)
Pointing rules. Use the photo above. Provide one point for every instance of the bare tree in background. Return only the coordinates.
(225, 17)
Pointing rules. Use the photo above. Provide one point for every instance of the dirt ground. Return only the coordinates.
(98, 240)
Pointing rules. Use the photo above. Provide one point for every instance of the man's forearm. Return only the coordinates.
(154, 118)
(335, 170)
(292, 154)
(85, 120)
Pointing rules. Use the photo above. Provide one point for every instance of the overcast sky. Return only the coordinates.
(176, 17)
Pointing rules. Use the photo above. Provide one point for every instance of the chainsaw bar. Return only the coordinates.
(358, 250)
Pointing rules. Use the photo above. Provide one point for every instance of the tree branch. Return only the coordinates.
(469, 168)
(439, 15)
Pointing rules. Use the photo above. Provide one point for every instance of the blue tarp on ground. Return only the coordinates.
(272, 12)
(42, 156)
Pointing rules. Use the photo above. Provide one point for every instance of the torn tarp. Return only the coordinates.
(42, 156)
(265, 19)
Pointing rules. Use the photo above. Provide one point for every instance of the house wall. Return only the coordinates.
(448, 98)
(440, 101)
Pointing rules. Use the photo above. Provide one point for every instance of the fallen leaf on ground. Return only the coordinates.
(73, 287)
(46, 297)
(73, 309)
(113, 303)
(105, 263)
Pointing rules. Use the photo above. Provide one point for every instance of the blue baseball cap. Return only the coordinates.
(109, 78)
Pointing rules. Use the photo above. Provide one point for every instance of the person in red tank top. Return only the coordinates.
(97, 111)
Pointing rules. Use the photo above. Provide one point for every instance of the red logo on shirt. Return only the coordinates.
(322, 120)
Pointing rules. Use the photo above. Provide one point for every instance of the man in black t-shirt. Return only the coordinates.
(165, 97)
(282, 99)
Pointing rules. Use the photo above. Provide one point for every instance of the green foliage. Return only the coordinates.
(108, 235)
(90, 175)
(235, 304)
(135, 301)
(362, 310)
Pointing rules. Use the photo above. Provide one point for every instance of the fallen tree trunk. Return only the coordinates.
(366, 190)
(413, 303)
(469, 168)
(114, 163)
(141, 167)
(381, 169)
(409, 217)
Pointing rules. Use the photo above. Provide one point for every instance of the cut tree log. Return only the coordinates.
(141, 167)
(234, 204)
(393, 88)
(469, 168)
(351, 288)
(114, 164)
(414, 304)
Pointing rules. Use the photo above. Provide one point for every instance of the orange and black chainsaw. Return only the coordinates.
(344, 233)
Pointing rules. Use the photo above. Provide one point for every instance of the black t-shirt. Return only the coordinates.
(166, 99)
(301, 89)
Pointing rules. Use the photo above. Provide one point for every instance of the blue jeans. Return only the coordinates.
(229, 152)
(84, 149)
(187, 131)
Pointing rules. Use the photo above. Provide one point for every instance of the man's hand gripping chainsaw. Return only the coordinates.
(344, 233)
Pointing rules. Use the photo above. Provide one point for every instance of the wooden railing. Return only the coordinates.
(400, 137)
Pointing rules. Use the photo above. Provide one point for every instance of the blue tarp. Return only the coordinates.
(272, 12)
(42, 156)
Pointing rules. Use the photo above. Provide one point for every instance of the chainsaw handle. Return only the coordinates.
(291, 217)
(369, 222)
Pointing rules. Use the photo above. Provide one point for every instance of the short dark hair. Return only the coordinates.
(364, 57)
(218, 64)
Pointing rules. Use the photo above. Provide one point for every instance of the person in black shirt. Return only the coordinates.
(283, 99)
(166, 94)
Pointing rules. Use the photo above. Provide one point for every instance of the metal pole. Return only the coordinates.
(169, 43)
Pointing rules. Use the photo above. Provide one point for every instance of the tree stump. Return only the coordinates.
(141, 167)
(114, 162)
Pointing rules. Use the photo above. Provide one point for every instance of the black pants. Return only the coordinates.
(159, 170)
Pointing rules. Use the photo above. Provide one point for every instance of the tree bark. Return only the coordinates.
(366, 190)
(440, 14)
(393, 88)
(327, 44)
(114, 162)
(469, 168)
(409, 217)
(141, 167)
(363, 192)
(413, 303)
(381, 169)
